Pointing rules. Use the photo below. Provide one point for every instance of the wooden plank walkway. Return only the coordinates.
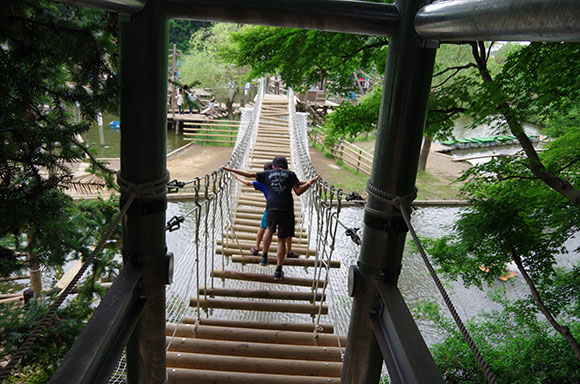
(216, 351)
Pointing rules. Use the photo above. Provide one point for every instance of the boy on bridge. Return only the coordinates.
(279, 182)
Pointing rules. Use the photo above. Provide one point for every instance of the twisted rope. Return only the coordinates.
(48, 318)
(403, 203)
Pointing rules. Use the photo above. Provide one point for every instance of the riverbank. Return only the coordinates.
(436, 183)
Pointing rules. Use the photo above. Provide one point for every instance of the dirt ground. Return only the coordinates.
(437, 183)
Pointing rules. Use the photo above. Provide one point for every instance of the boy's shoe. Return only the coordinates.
(279, 274)
(254, 251)
(292, 255)
(264, 260)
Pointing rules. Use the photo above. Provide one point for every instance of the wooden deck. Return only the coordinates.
(217, 351)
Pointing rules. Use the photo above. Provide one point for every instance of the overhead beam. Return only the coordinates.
(119, 6)
(492, 20)
(359, 17)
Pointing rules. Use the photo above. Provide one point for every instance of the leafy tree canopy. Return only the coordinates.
(180, 32)
(303, 58)
(51, 57)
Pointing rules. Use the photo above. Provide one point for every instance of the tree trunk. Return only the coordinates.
(562, 329)
(535, 165)
(35, 278)
(424, 153)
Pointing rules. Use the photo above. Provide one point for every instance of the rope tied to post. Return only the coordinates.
(148, 190)
(395, 200)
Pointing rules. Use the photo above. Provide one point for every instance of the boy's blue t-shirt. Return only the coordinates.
(261, 187)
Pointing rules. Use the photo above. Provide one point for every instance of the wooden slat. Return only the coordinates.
(236, 348)
(252, 236)
(265, 278)
(261, 294)
(300, 327)
(301, 262)
(252, 364)
(233, 249)
(186, 376)
(259, 306)
(254, 335)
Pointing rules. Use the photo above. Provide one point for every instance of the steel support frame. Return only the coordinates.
(323, 15)
(143, 160)
(402, 115)
(404, 350)
(491, 20)
(94, 354)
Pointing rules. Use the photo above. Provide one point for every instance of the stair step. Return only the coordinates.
(262, 294)
(301, 262)
(188, 376)
(252, 365)
(253, 335)
(300, 327)
(265, 278)
(237, 348)
(259, 306)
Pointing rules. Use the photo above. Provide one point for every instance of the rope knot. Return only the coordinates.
(150, 190)
(395, 200)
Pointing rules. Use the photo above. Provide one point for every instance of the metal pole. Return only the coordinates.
(143, 160)
(516, 20)
(400, 130)
(323, 15)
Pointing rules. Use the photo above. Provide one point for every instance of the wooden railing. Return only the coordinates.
(212, 132)
(356, 157)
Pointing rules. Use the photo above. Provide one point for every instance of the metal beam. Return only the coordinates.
(322, 15)
(94, 354)
(119, 6)
(400, 340)
(400, 131)
(492, 20)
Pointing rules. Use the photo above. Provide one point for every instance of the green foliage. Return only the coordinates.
(51, 57)
(205, 64)
(304, 57)
(353, 120)
(180, 32)
(516, 346)
(44, 356)
(512, 214)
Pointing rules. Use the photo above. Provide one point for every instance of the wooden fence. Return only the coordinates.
(211, 132)
(356, 157)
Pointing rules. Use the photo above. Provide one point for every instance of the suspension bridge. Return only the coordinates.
(241, 325)
(155, 322)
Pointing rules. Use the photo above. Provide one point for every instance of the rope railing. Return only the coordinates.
(323, 199)
(403, 204)
(215, 202)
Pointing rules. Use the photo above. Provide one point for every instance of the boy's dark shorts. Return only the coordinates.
(283, 221)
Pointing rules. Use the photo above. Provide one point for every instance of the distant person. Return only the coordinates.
(279, 183)
(191, 100)
(255, 250)
(211, 109)
(179, 99)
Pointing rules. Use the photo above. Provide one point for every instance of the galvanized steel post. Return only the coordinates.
(400, 130)
(143, 161)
